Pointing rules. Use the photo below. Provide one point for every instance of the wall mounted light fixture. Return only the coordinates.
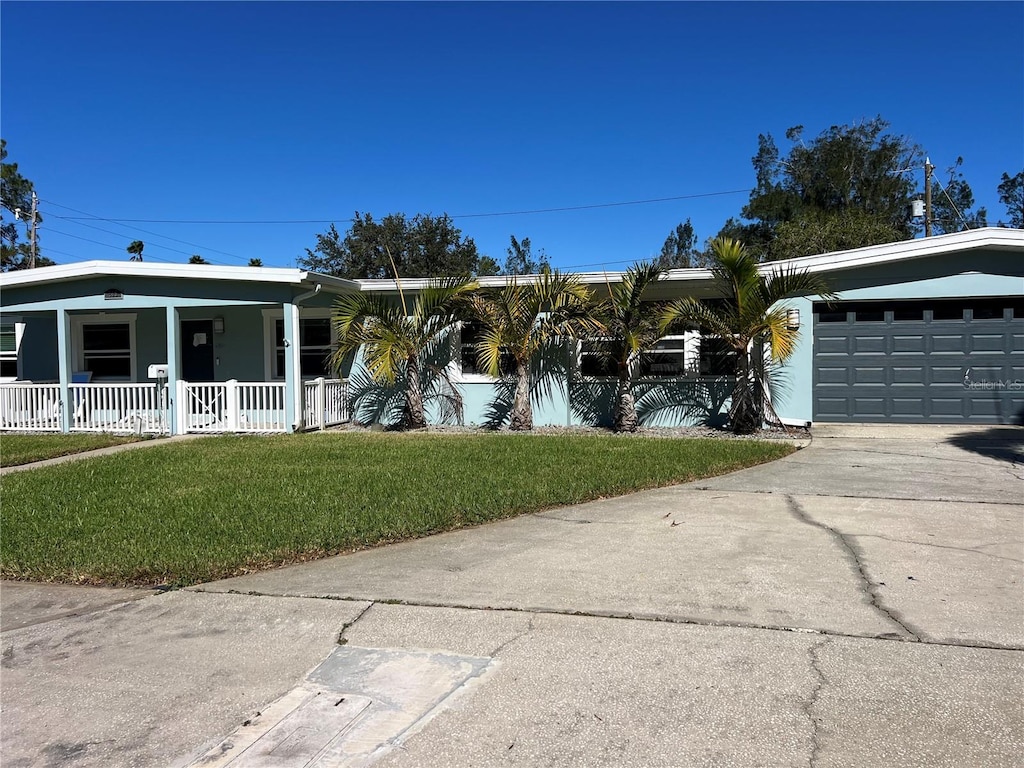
(218, 325)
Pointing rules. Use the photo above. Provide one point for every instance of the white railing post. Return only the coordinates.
(231, 423)
(321, 404)
(181, 407)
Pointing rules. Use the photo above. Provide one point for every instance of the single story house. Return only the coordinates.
(925, 331)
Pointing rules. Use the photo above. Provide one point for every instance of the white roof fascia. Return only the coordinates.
(86, 269)
(997, 238)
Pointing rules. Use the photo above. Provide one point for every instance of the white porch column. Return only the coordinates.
(292, 368)
(174, 403)
(64, 368)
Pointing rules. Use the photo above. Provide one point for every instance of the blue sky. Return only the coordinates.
(311, 111)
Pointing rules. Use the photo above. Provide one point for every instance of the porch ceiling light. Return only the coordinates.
(218, 325)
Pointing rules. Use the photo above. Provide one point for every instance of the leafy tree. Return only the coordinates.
(521, 261)
(749, 317)
(394, 339)
(1011, 194)
(522, 320)
(135, 249)
(424, 246)
(857, 173)
(16, 201)
(632, 326)
(680, 249)
(487, 267)
(195, 258)
(255, 262)
(951, 204)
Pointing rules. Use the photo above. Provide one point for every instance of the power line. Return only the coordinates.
(455, 216)
(97, 242)
(119, 234)
(78, 220)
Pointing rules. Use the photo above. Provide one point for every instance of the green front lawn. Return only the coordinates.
(24, 449)
(184, 513)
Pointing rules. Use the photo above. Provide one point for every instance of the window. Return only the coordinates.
(107, 351)
(830, 316)
(314, 347)
(104, 345)
(469, 337)
(948, 311)
(870, 315)
(666, 359)
(717, 358)
(595, 358)
(9, 338)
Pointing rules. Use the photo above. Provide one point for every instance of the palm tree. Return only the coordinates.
(632, 327)
(394, 339)
(135, 249)
(748, 317)
(521, 320)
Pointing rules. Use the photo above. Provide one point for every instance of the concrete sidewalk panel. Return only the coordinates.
(144, 683)
(589, 691)
(24, 603)
(935, 469)
(671, 553)
(953, 571)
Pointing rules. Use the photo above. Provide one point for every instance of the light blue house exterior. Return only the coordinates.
(928, 330)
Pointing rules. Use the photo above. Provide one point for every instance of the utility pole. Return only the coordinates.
(928, 168)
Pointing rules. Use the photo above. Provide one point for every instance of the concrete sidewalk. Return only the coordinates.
(858, 603)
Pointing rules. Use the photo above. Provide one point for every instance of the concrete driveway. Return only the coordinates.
(858, 603)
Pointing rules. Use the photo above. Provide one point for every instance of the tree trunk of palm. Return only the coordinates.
(413, 416)
(625, 419)
(744, 415)
(522, 411)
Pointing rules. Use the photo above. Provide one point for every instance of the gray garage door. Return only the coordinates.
(948, 361)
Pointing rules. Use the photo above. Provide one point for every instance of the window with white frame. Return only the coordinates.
(596, 358)
(469, 360)
(686, 354)
(104, 345)
(667, 358)
(316, 344)
(717, 357)
(10, 344)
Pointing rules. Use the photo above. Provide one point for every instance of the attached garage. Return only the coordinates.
(922, 361)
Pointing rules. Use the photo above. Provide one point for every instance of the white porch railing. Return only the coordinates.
(30, 407)
(325, 403)
(102, 407)
(230, 406)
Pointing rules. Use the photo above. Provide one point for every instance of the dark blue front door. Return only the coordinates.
(197, 350)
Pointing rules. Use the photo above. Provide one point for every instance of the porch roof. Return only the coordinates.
(200, 272)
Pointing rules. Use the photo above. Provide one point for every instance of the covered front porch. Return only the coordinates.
(157, 349)
(148, 408)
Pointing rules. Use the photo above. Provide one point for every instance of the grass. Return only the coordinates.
(185, 513)
(24, 449)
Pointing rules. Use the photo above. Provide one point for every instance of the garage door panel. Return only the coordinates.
(869, 375)
(908, 344)
(947, 344)
(832, 345)
(912, 374)
(869, 406)
(869, 345)
(908, 406)
(909, 370)
(989, 343)
(834, 375)
(947, 406)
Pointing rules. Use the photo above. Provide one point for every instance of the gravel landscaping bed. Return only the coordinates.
(700, 431)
